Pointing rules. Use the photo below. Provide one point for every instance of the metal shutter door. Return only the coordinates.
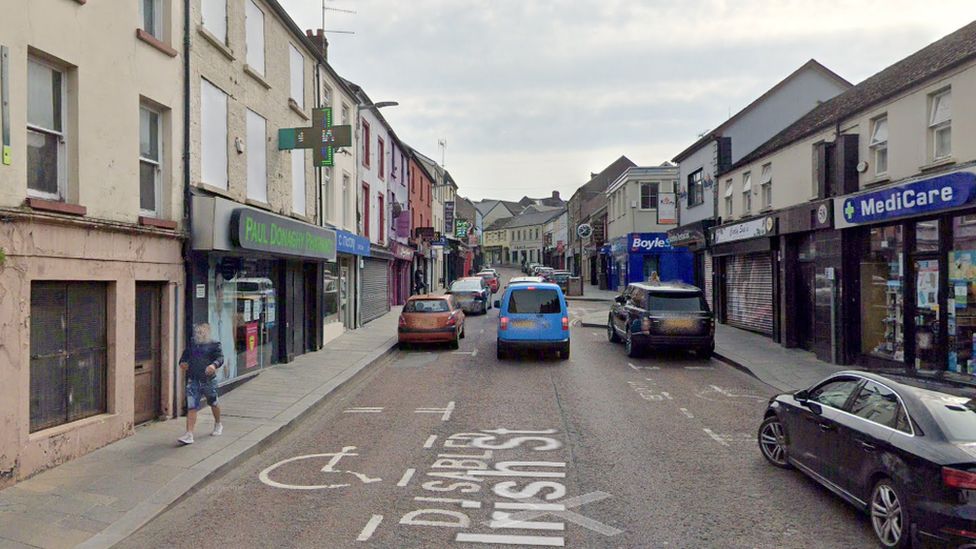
(709, 284)
(375, 289)
(749, 292)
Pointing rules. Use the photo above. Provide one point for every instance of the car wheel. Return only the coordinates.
(462, 334)
(773, 442)
(403, 346)
(611, 331)
(889, 515)
(705, 353)
(500, 352)
(564, 352)
(456, 344)
(632, 348)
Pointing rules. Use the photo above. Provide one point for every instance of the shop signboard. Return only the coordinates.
(641, 243)
(263, 232)
(449, 217)
(667, 209)
(754, 228)
(353, 244)
(402, 252)
(918, 197)
(461, 227)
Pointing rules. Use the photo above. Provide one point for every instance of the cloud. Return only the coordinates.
(533, 95)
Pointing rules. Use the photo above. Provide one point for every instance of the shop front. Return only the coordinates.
(640, 257)
(350, 249)
(375, 288)
(258, 279)
(400, 273)
(694, 237)
(744, 254)
(913, 249)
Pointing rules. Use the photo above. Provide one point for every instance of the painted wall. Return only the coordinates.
(340, 203)
(369, 174)
(399, 193)
(622, 218)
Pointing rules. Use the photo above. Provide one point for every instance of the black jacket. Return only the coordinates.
(201, 355)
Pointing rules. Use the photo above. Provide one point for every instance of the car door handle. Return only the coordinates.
(826, 427)
(868, 447)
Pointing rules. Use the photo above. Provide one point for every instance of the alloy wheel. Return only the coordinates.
(887, 515)
(772, 442)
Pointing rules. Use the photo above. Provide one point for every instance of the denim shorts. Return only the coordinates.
(198, 389)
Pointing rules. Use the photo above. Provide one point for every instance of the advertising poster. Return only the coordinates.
(251, 342)
(927, 285)
(667, 209)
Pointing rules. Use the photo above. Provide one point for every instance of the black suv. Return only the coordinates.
(656, 314)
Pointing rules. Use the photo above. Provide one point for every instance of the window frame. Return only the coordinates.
(381, 215)
(298, 157)
(729, 194)
(696, 188)
(879, 147)
(250, 36)
(158, 164)
(61, 135)
(766, 186)
(250, 140)
(650, 195)
(747, 193)
(157, 18)
(366, 143)
(225, 183)
(295, 57)
(936, 127)
(222, 37)
(380, 157)
(366, 207)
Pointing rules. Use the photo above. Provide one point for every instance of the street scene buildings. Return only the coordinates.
(169, 166)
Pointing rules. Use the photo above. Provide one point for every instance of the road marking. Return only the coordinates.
(699, 367)
(595, 334)
(363, 410)
(405, 479)
(367, 532)
(715, 437)
(508, 539)
(445, 411)
(430, 441)
(566, 514)
(264, 476)
(638, 368)
(687, 414)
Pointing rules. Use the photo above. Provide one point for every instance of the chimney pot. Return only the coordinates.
(308, 33)
(555, 194)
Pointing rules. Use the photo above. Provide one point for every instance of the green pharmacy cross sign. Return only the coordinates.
(323, 138)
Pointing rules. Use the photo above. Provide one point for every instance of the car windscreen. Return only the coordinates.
(534, 302)
(561, 277)
(956, 415)
(426, 306)
(466, 286)
(676, 302)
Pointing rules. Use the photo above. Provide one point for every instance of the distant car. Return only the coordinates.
(491, 278)
(533, 317)
(431, 319)
(529, 268)
(472, 294)
(525, 280)
(561, 278)
(545, 273)
(900, 448)
(662, 315)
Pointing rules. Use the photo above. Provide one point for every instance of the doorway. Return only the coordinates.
(147, 383)
(805, 291)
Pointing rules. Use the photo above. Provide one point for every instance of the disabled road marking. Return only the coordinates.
(370, 527)
(347, 451)
(430, 441)
(405, 479)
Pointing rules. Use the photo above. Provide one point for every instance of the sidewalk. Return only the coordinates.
(782, 368)
(101, 498)
(593, 293)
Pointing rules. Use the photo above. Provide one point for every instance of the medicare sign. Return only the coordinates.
(919, 197)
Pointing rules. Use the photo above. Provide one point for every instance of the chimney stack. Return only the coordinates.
(321, 42)
(555, 194)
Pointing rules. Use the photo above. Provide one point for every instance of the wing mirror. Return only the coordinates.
(620, 299)
(801, 396)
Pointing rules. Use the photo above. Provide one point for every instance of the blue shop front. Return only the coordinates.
(639, 257)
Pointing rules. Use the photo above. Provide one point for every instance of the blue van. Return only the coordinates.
(533, 316)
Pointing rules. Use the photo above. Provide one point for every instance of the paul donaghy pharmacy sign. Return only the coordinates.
(258, 231)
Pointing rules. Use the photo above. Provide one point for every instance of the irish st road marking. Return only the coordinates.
(367, 532)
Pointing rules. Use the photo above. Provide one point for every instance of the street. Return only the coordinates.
(440, 448)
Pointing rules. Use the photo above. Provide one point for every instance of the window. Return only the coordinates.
(696, 189)
(729, 191)
(879, 145)
(215, 18)
(536, 302)
(149, 161)
(882, 294)
(940, 124)
(152, 18)
(326, 95)
(648, 196)
(213, 135)
(366, 144)
(766, 185)
(46, 157)
(880, 405)
(381, 216)
(365, 209)
(346, 187)
(381, 157)
(747, 193)
(834, 393)
(298, 183)
(257, 164)
(254, 30)
(296, 64)
(345, 114)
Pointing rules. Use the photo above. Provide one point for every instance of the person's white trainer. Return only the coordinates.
(187, 438)
(218, 430)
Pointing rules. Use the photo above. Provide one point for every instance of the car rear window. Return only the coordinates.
(956, 415)
(534, 302)
(676, 302)
(426, 306)
(466, 286)
(561, 277)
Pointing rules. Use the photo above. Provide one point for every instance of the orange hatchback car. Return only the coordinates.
(431, 319)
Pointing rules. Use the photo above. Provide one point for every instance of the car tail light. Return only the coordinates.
(530, 288)
(955, 478)
(403, 321)
(452, 320)
(565, 323)
(971, 534)
(503, 323)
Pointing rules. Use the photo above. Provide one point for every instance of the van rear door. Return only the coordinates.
(535, 314)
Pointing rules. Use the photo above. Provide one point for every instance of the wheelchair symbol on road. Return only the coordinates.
(348, 451)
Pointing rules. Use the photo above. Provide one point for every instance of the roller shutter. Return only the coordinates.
(375, 290)
(709, 284)
(749, 292)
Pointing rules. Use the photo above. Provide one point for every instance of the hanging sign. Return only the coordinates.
(667, 209)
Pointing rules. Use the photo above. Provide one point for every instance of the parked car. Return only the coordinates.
(533, 316)
(662, 315)
(562, 279)
(525, 280)
(900, 448)
(491, 278)
(529, 268)
(472, 294)
(431, 319)
(545, 273)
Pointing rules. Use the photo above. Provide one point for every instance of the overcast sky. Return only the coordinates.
(533, 95)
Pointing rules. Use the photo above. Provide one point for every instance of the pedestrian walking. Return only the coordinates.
(419, 285)
(199, 362)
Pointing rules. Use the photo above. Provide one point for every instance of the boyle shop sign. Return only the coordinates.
(649, 242)
(258, 231)
(755, 228)
(919, 197)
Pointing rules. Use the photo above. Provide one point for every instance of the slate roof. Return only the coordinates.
(498, 224)
(536, 218)
(598, 183)
(921, 66)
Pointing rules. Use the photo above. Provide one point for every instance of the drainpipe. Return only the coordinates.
(187, 199)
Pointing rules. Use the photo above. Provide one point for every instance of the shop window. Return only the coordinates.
(879, 145)
(940, 124)
(882, 294)
(927, 236)
(962, 295)
(330, 290)
(46, 155)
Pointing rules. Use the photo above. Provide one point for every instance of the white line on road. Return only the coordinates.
(687, 414)
(448, 411)
(643, 367)
(716, 437)
(721, 391)
(405, 479)
(699, 367)
(430, 442)
(596, 334)
(363, 410)
(367, 532)
(632, 366)
(507, 539)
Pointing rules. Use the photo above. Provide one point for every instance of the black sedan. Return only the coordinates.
(901, 448)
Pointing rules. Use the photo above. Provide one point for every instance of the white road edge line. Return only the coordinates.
(370, 527)
(430, 441)
(405, 479)
(717, 438)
